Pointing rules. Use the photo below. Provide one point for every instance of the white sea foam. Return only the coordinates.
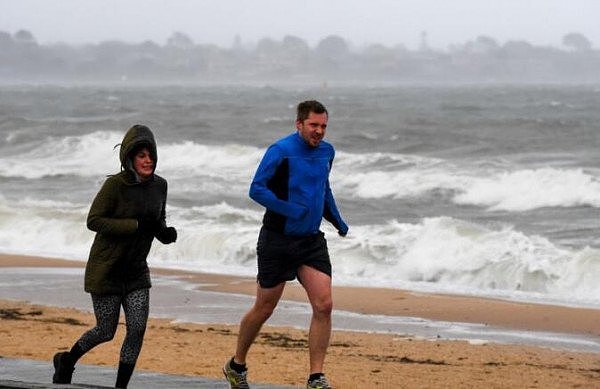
(449, 255)
(494, 188)
(86, 155)
(411, 182)
(44, 227)
(436, 254)
(190, 159)
(529, 189)
(93, 155)
(217, 239)
(223, 169)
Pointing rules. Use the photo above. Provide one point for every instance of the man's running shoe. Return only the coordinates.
(236, 380)
(318, 383)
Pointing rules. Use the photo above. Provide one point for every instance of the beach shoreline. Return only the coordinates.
(280, 356)
(385, 301)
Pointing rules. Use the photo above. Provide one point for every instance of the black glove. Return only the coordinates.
(148, 225)
(168, 235)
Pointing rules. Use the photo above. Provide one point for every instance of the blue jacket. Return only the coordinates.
(292, 183)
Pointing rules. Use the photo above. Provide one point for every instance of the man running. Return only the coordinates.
(292, 183)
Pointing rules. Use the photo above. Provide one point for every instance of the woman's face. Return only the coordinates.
(143, 163)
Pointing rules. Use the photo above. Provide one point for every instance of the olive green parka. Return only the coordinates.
(117, 261)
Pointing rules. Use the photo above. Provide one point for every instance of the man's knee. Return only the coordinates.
(264, 310)
(266, 301)
(323, 307)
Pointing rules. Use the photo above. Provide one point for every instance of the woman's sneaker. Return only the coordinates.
(318, 383)
(236, 380)
(63, 368)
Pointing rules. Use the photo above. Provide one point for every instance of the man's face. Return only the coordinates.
(312, 129)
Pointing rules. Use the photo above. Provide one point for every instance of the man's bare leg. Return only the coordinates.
(318, 288)
(265, 303)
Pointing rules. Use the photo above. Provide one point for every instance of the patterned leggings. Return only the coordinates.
(107, 309)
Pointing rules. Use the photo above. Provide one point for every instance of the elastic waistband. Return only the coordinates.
(281, 234)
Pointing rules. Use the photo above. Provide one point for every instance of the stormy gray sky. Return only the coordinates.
(390, 22)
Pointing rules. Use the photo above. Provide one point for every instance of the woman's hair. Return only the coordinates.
(139, 147)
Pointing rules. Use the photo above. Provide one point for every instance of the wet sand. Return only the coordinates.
(392, 302)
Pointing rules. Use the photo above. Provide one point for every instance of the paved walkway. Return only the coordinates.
(24, 373)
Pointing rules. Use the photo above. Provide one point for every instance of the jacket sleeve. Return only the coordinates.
(99, 218)
(162, 221)
(331, 213)
(260, 192)
(330, 210)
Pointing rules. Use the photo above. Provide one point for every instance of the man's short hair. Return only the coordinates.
(308, 106)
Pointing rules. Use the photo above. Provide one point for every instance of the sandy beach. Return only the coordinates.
(355, 359)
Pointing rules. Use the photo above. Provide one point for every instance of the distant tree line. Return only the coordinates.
(292, 60)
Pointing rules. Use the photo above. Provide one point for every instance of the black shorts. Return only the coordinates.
(280, 256)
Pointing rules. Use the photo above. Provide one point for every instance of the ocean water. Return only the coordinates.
(479, 190)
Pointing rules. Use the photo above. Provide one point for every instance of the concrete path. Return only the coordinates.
(24, 373)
